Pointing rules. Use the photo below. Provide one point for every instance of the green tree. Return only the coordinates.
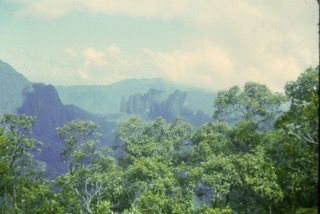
(231, 168)
(21, 188)
(93, 179)
(154, 161)
(80, 143)
(157, 139)
(302, 120)
(255, 104)
(229, 171)
(90, 188)
(295, 143)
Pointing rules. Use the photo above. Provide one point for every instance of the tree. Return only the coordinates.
(302, 118)
(230, 164)
(90, 188)
(17, 129)
(93, 179)
(80, 142)
(255, 104)
(231, 168)
(295, 143)
(159, 140)
(154, 162)
(150, 180)
(22, 190)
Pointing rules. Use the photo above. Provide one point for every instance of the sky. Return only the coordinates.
(210, 44)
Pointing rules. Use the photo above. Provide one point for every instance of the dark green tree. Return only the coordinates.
(80, 143)
(256, 104)
(295, 143)
(93, 179)
(21, 188)
(231, 170)
(154, 162)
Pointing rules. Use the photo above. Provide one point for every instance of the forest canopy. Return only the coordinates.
(260, 155)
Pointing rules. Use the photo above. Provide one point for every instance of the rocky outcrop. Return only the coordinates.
(157, 103)
(149, 104)
(44, 103)
(177, 104)
(109, 99)
(18, 95)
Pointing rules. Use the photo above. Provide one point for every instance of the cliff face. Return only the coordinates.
(147, 104)
(108, 99)
(156, 103)
(18, 95)
(12, 87)
(44, 103)
(177, 104)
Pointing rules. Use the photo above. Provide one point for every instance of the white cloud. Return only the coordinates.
(197, 66)
(94, 66)
(113, 49)
(94, 56)
(232, 42)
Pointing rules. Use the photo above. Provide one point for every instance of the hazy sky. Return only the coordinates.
(212, 44)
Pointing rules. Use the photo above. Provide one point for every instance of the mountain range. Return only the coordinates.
(54, 106)
(106, 99)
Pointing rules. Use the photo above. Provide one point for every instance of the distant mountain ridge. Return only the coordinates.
(53, 106)
(106, 99)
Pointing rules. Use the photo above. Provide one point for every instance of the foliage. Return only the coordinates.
(237, 178)
(254, 159)
(295, 143)
(155, 154)
(93, 178)
(255, 104)
(302, 119)
(80, 141)
(21, 188)
(164, 142)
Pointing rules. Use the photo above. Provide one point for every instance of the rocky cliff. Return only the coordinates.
(44, 103)
(157, 103)
(149, 104)
(109, 99)
(18, 95)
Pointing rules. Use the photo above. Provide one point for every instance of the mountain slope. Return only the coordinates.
(20, 96)
(147, 97)
(12, 87)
